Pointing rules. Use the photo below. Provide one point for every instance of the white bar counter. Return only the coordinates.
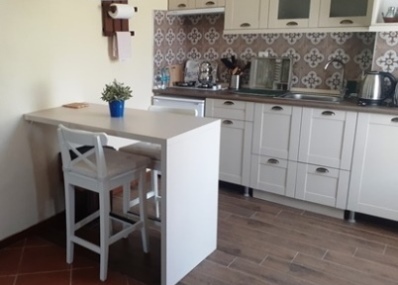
(190, 166)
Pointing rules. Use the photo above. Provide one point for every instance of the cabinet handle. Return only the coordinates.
(182, 5)
(245, 25)
(394, 120)
(322, 170)
(346, 22)
(273, 161)
(228, 122)
(210, 3)
(229, 103)
(328, 113)
(291, 24)
(277, 108)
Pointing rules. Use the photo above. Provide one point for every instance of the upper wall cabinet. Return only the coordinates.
(380, 8)
(181, 4)
(246, 15)
(303, 14)
(343, 13)
(196, 6)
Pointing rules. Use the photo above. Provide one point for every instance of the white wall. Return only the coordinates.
(52, 52)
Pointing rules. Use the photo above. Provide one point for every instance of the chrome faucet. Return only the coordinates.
(342, 87)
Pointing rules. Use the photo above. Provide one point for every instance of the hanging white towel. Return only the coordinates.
(122, 46)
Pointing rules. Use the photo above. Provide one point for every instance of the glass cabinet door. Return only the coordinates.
(338, 13)
(300, 14)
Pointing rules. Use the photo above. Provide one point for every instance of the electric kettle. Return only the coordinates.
(205, 73)
(374, 90)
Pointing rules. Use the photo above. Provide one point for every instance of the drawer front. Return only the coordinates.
(229, 109)
(322, 185)
(273, 175)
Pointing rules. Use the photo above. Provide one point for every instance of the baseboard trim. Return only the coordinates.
(57, 220)
(299, 204)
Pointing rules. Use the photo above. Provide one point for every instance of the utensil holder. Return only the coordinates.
(235, 82)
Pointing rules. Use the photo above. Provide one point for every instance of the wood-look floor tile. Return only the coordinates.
(363, 265)
(231, 277)
(341, 271)
(196, 277)
(236, 210)
(391, 251)
(221, 257)
(317, 234)
(377, 257)
(260, 247)
(265, 232)
(305, 272)
(266, 274)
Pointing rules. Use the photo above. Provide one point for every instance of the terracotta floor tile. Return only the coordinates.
(91, 277)
(36, 241)
(9, 261)
(7, 280)
(47, 278)
(43, 259)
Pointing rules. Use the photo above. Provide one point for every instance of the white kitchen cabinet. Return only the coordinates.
(380, 7)
(209, 3)
(236, 134)
(194, 4)
(322, 185)
(276, 130)
(181, 4)
(327, 137)
(374, 178)
(343, 13)
(302, 14)
(273, 175)
(246, 15)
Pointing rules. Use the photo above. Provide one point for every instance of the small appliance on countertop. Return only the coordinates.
(374, 90)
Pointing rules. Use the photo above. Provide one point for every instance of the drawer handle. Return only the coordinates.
(290, 24)
(394, 120)
(328, 113)
(277, 108)
(245, 25)
(210, 3)
(322, 170)
(228, 122)
(346, 22)
(229, 103)
(182, 5)
(273, 161)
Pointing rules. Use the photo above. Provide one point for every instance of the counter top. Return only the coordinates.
(347, 105)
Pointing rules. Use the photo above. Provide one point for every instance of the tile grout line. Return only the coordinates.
(20, 261)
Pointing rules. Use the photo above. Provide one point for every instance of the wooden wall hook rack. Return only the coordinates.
(109, 25)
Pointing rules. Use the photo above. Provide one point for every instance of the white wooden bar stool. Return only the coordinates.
(153, 152)
(100, 170)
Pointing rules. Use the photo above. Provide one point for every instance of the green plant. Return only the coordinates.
(116, 91)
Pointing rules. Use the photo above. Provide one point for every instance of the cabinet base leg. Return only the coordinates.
(351, 217)
(246, 192)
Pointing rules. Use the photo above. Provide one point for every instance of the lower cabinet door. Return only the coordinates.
(235, 151)
(322, 185)
(273, 175)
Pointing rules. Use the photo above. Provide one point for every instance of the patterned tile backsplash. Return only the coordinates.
(179, 38)
(386, 57)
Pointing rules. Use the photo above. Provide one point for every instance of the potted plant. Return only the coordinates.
(115, 94)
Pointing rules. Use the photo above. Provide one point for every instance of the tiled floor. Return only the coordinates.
(259, 243)
(35, 261)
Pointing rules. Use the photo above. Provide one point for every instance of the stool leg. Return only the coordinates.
(143, 210)
(70, 220)
(104, 233)
(155, 187)
(126, 198)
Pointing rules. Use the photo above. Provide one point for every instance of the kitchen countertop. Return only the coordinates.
(347, 104)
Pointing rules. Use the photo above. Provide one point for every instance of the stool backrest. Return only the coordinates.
(174, 110)
(90, 162)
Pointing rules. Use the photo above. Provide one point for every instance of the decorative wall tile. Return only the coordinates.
(200, 37)
(385, 56)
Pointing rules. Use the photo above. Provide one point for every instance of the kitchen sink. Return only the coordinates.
(311, 97)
